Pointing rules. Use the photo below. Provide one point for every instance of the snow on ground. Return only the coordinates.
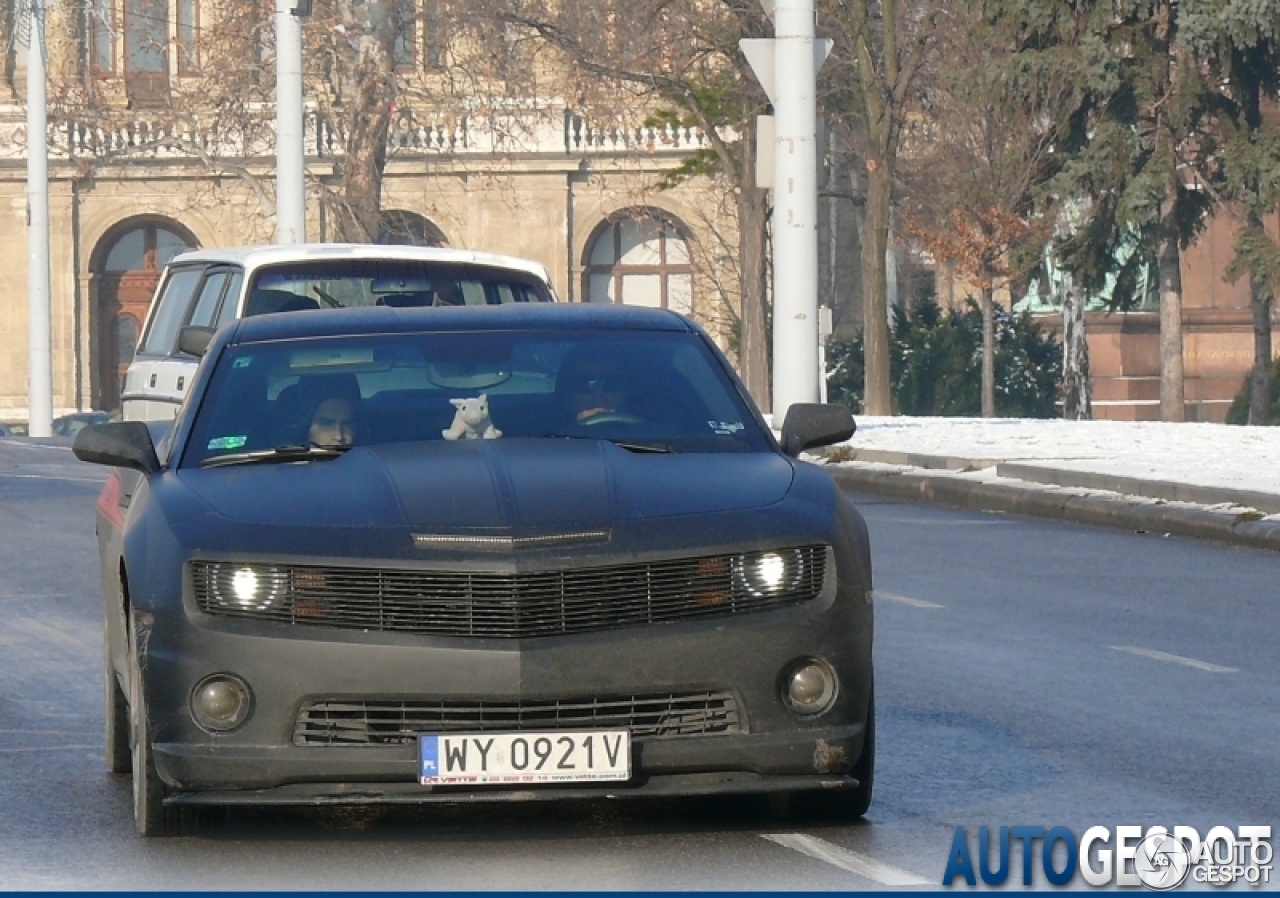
(1212, 455)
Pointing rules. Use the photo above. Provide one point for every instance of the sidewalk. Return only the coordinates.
(1207, 481)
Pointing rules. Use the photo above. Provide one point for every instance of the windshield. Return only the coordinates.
(647, 392)
(343, 283)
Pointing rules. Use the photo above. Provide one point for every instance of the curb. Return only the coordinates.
(1267, 503)
(1099, 511)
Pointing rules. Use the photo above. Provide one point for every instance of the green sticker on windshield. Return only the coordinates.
(228, 442)
(243, 362)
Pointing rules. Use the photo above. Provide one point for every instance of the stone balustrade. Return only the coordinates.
(561, 132)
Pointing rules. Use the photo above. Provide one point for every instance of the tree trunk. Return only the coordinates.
(1075, 354)
(875, 311)
(988, 355)
(365, 87)
(753, 360)
(1172, 397)
(1260, 379)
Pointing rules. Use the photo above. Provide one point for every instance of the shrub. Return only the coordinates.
(1239, 412)
(935, 364)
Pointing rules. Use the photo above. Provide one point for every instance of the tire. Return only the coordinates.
(843, 805)
(118, 756)
(150, 815)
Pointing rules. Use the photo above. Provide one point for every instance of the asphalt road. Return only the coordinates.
(1028, 672)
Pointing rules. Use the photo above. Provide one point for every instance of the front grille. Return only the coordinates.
(343, 721)
(511, 605)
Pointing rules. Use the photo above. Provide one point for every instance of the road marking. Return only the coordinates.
(13, 751)
(26, 445)
(1174, 659)
(906, 600)
(966, 522)
(845, 859)
(52, 477)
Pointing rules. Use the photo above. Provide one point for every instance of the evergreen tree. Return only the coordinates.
(1237, 43)
(1141, 107)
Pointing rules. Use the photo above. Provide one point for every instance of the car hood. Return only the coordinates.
(516, 486)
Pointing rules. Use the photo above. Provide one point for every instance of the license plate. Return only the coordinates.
(514, 758)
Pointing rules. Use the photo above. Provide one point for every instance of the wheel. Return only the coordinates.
(843, 805)
(118, 755)
(150, 815)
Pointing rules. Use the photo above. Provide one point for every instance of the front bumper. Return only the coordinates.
(286, 667)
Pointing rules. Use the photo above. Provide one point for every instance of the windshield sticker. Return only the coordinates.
(228, 443)
(726, 428)
(243, 362)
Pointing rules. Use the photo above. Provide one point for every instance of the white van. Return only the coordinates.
(208, 288)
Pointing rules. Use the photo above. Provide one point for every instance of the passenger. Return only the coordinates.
(333, 424)
(449, 294)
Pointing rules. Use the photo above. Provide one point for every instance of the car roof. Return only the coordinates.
(254, 256)
(513, 316)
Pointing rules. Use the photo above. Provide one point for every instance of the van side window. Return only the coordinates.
(207, 298)
(230, 299)
(171, 308)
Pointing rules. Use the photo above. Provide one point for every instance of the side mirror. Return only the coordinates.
(810, 424)
(195, 340)
(121, 444)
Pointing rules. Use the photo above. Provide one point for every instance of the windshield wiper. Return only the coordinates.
(278, 454)
(629, 445)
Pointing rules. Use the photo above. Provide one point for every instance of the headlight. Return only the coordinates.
(220, 703)
(246, 587)
(775, 573)
(809, 687)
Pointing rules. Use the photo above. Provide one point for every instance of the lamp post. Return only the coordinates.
(291, 188)
(39, 330)
(787, 67)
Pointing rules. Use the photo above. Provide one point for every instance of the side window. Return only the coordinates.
(171, 308)
(231, 299)
(207, 298)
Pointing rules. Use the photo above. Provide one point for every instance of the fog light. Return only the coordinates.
(809, 687)
(220, 703)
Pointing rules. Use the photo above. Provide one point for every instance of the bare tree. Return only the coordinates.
(676, 62)
(880, 49)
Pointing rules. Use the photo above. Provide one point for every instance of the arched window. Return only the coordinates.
(640, 258)
(126, 266)
(400, 228)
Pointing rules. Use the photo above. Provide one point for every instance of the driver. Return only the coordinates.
(596, 388)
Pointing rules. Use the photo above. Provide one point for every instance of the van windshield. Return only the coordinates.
(347, 283)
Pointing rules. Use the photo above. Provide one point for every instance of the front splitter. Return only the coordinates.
(334, 794)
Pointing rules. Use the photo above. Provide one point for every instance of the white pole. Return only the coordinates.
(795, 211)
(291, 192)
(40, 395)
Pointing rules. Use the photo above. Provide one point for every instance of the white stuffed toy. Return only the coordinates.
(471, 421)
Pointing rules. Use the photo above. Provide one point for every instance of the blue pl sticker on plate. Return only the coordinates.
(228, 442)
(428, 756)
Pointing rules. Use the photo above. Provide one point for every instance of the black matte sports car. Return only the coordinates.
(394, 555)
